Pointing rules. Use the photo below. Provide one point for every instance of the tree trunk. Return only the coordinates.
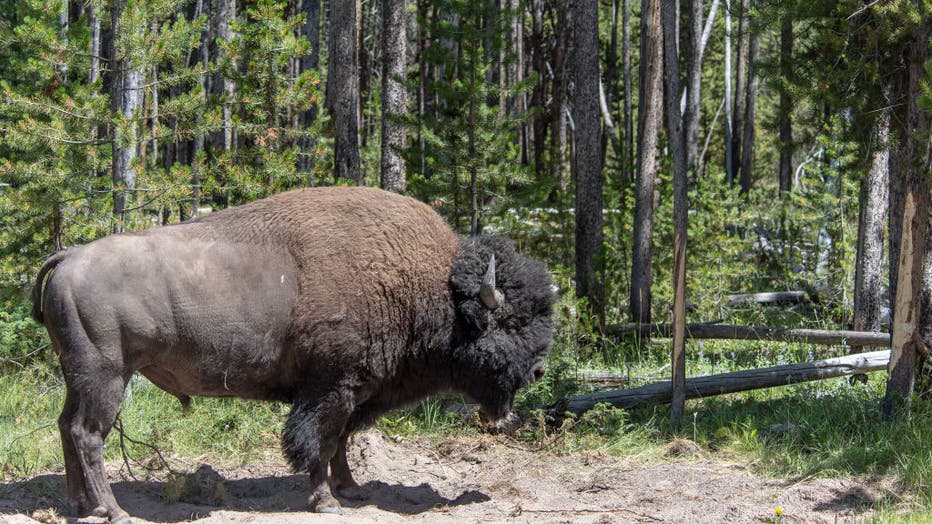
(558, 112)
(729, 130)
(611, 74)
(911, 186)
(873, 204)
(394, 94)
(741, 65)
(226, 12)
(343, 90)
(626, 73)
(750, 115)
(538, 96)
(587, 158)
(125, 101)
(693, 51)
(671, 65)
(650, 114)
(93, 21)
(677, 140)
(786, 105)
(310, 30)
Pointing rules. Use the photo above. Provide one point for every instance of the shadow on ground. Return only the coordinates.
(195, 495)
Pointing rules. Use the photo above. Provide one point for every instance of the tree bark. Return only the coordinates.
(343, 90)
(741, 65)
(786, 104)
(873, 204)
(626, 74)
(226, 12)
(693, 51)
(125, 101)
(558, 111)
(650, 114)
(678, 145)
(394, 94)
(913, 205)
(587, 158)
(611, 74)
(93, 21)
(744, 380)
(310, 30)
(729, 122)
(538, 96)
(747, 140)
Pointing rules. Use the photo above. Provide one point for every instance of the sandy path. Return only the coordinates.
(478, 480)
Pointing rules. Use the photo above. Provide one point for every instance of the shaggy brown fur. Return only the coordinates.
(347, 302)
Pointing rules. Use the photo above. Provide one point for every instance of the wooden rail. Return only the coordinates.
(706, 386)
(731, 332)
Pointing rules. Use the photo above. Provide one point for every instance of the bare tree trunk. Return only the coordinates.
(868, 264)
(587, 158)
(741, 65)
(198, 152)
(650, 114)
(611, 75)
(558, 112)
(677, 140)
(747, 141)
(226, 12)
(786, 105)
(671, 64)
(93, 21)
(64, 21)
(394, 94)
(729, 130)
(911, 185)
(343, 90)
(422, 79)
(626, 73)
(693, 82)
(309, 62)
(126, 99)
(538, 96)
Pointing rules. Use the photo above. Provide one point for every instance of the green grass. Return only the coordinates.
(821, 429)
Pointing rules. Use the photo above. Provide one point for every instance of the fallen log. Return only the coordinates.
(772, 297)
(731, 332)
(707, 386)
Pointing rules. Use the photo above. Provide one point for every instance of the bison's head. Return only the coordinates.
(502, 333)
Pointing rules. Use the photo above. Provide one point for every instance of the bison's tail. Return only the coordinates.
(38, 291)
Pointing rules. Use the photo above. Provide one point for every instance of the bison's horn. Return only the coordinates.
(491, 297)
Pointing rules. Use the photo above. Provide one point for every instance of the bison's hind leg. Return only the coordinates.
(311, 438)
(89, 413)
(341, 478)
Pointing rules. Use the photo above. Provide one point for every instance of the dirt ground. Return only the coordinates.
(488, 479)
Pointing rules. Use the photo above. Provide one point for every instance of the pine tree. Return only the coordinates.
(469, 146)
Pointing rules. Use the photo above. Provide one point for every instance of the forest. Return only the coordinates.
(669, 161)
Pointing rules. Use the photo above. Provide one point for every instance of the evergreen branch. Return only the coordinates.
(50, 138)
(53, 107)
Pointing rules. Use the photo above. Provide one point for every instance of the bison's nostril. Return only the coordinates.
(538, 373)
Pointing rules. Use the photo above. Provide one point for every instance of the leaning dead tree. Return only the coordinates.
(707, 386)
(731, 332)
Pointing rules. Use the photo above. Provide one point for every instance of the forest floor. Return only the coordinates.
(479, 479)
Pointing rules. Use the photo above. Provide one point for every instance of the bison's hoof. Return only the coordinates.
(351, 493)
(324, 503)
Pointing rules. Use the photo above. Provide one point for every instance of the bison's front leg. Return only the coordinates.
(311, 438)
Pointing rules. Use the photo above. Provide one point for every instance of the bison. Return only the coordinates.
(344, 302)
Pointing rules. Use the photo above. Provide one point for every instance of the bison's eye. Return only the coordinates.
(537, 372)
